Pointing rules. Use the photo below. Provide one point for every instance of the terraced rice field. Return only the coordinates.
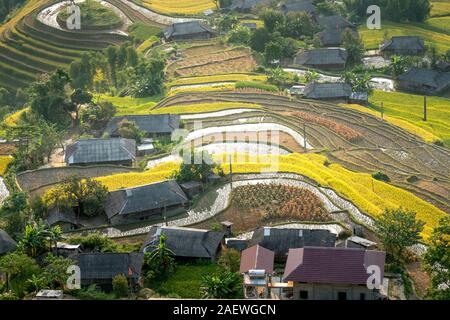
(29, 47)
(373, 38)
(212, 59)
(179, 7)
(440, 8)
(409, 162)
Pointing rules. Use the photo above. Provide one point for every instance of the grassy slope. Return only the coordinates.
(431, 35)
(409, 108)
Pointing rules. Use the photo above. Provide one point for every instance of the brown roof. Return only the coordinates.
(257, 258)
(331, 265)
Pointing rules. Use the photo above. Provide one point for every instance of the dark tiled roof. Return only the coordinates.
(7, 243)
(100, 150)
(314, 90)
(331, 265)
(280, 240)
(403, 43)
(144, 198)
(105, 266)
(157, 123)
(335, 22)
(186, 28)
(57, 215)
(299, 6)
(428, 77)
(244, 4)
(324, 56)
(257, 258)
(330, 37)
(186, 242)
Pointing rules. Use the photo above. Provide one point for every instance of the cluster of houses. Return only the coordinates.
(276, 262)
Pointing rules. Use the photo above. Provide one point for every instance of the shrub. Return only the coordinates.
(381, 176)
(120, 286)
(225, 285)
(256, 85)
(230, 260)
(412, 179)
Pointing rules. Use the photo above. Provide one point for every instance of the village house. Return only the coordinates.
(280, 240)
(101, 268)
(257, 267)
(7, 244)
(328, 91)
(324, 58)
(68, 220)
(117, 151)
(299, 6)
(186, 243)
(319, 273)
(155, 126)
(403, 45)
(423, 81)
(244, 5)
(152, 201)
(192, 188)
(334, 22)
(190, 30)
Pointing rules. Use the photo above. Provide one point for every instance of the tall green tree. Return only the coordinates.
(398, 229)
(437, 261)
(354, 45)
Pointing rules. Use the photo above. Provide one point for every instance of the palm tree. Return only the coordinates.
(34, 239)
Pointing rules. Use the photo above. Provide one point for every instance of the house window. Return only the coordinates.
(362, 296)
(303, 295)
(342, 295)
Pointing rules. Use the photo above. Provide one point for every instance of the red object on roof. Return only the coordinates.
(332, 265)
(257, 258)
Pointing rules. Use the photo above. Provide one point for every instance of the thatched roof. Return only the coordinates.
(100, 150)
(7, 244)
(324, 56)
(186, 29)
(300, 6)
(403, 43)
(186, 242)
(144, 198)
(105, 266)
(150, 124)
(314, 90)
(426, 77)
(335, 22)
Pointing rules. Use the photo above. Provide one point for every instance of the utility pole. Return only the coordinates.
(231, 173)
(424, 108)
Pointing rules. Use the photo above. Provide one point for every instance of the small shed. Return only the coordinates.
(328, 91)
(236, 243)
(192, 188)
(423, 81)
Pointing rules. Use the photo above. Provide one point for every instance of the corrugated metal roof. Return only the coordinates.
(257, 258)
(331, 265)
